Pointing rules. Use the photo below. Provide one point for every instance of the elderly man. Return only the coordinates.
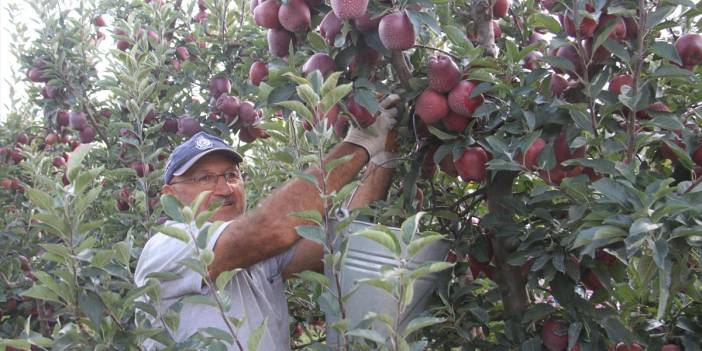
(263, 241)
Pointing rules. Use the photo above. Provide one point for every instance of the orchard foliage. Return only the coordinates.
(557, 143)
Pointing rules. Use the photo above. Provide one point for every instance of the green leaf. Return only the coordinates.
(206, 256)
(419, 323)
(41, 292)
(539, 19)
(311, 232)
(91, 304)
(307, 94)
(586, 236)
(387, 240)
(295, 78)
(410, 226)
(310, 215)
(420, 243)
(559, 62)
(429, 268)
(174, 232)
(171, 206)
(314, 277)
(537, 312)
(335, 95)
(74, 162)
(330, 83)
(225, 277)
(254, 341)
(367, 334)
(457, 36)
(643, 225)
(40, 199)
(382, 284)
(666, 50)
(299, 108)
(316, 41)
(659, 15)
(671, 71)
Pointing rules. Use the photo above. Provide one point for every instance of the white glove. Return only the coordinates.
(373, 137)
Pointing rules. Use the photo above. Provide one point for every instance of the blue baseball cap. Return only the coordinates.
(186, 154)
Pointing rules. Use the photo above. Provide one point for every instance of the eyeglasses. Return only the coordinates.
(209, 181)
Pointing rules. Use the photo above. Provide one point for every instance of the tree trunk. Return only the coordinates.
(511, 282)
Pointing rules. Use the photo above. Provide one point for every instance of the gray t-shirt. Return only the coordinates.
(256, 293)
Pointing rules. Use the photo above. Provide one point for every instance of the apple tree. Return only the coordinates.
(557, 143)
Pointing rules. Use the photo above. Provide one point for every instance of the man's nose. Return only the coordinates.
(221, 186)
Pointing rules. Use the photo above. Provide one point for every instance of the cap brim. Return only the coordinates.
(186, 166)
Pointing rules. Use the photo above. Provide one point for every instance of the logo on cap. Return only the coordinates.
(203, 143)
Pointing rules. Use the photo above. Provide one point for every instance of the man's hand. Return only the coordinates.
(373, 138)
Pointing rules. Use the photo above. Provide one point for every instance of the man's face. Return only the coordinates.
(230, 194)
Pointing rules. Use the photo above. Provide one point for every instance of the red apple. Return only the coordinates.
(562, 149)
(396, 31)
(671, 347)
(587, 24)
(558, 84)
(591, 281)
(530, 158)
(500, 8)
(182, 53)
(689, 48)
(619, 32)
(22, 139)
(87, 135)
(258, 72)
(219, 85)
(431, 106)
(247, 113)
(279, 41)
(360, 113)
(229, 106)
(295, 16)
(188, 125)
(349, 9)
(58, 161)
(554, 335)
(319, 61)
(532, 60)
(78, 120)
(443, 73)
(142, 169)
(471, 166)
(656, 107)
(697, 155)
(460, 100)
(616, 83)
(170, 125)
(330, 27)
(455, 122)
(100, 21)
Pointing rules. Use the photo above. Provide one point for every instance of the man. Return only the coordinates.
(263, 241)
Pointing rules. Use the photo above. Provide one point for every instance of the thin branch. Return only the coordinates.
(458, 58)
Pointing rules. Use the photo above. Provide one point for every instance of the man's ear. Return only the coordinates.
(167, 189)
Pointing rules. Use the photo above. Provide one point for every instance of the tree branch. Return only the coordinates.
(481, 11)
(404, 74)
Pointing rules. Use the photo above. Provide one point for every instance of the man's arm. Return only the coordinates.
(374, 186)
(268, 230)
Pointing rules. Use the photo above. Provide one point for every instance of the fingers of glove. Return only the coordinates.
(390, 101)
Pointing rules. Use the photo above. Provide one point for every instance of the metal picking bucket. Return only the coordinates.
(364, 260)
